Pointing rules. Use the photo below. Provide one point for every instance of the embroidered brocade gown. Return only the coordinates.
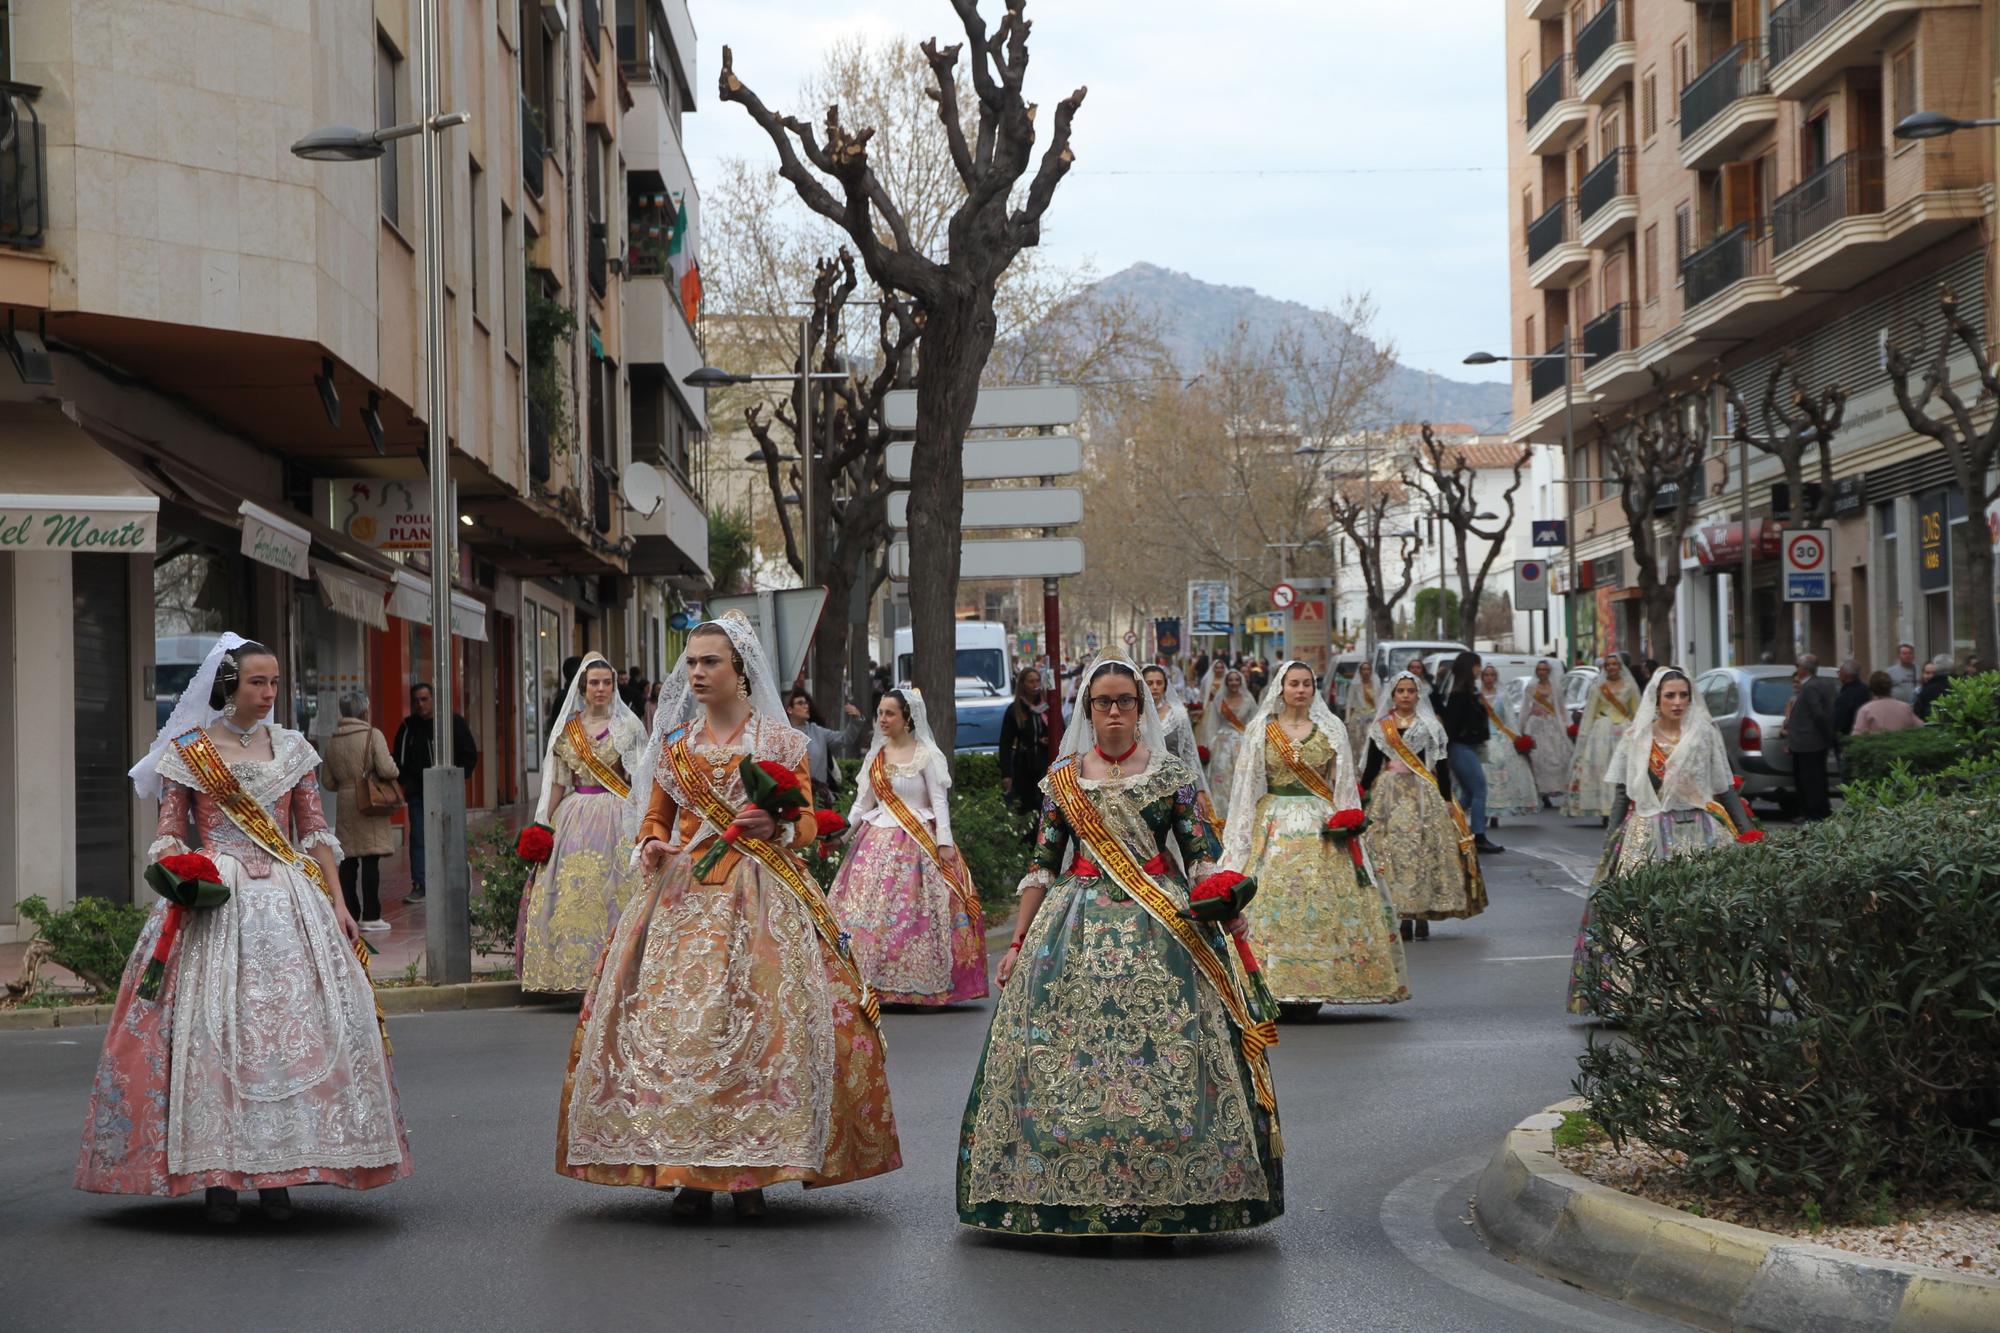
(1225, 742)
(574, 898)
(1360, 716)
(1597, 737)
(721, 1044)
(1413, 838)
(1542, 721)
(261, 1064)
(1112, 1096)
(1510, 780)
(1323, 929)
(913, 939)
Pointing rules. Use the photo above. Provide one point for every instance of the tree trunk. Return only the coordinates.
(1381, 621)
(1659, 604)
(829, 645)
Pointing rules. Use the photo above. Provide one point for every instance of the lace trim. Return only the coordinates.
(1165, 774)
(292, 757)
(323, 838)
(1038, 877)
(166, 847)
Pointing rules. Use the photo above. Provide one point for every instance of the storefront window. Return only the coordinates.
(531, 693)
(549, 644)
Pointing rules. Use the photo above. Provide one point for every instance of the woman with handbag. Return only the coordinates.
(360, 769)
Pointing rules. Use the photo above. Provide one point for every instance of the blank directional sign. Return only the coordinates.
(1027, 507)
(997, 409)
(993, 460)
(1016, 558)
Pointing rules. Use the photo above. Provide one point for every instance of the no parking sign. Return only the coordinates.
(1809, 565)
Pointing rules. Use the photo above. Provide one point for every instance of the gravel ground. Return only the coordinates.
(1942, 1235)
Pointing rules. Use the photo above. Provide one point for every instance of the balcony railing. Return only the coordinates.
(1596, 37)
(1604, 337)
(599, 264)
(1551, 229)
(23, 173)
(1604, 182)
(1846, 187)
(1743, 251)
(1545, 377)
(532, 151)
(538, 442)
(1549, 89)
(592, 19)
(1797, 22)
(1737, 73)
(600, 496)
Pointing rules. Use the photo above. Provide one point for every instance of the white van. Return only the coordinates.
(983, 691)
(1392, 655)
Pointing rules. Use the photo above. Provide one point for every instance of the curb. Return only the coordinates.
(1533, 1211)
(393, 999)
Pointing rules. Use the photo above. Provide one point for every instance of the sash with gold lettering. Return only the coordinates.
(587, 758)
(1288, 750)
(1467, 856)
(244, 811)
(1116, 860)
(788, 869)
(1493, 716)
(885, 794)
(1616, 702)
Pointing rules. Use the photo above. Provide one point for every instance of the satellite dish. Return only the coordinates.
(644, 491)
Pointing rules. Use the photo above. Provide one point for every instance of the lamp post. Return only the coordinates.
(448, 927)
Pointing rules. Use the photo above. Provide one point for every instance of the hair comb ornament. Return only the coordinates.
(734, 617)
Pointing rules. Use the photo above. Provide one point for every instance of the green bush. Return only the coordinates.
(93, 938)
(1814, 1016)
(499, 877)
(1871, 756)
(1958, 751)
(975, 772)
(992, 836)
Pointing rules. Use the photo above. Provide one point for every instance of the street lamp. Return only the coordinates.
(1935, 125)
(447, 928)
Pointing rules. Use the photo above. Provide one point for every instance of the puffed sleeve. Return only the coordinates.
(1051, 840)
(1192, 830)
(309, 824)
(660, 813)
(938, 796)
(170, 837)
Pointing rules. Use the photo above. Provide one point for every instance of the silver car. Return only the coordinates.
(1748, 705)
(1577, 683)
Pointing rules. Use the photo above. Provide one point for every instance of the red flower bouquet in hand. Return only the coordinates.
(536, 843)
(1344, 823)
(1572, 731)
(1524, 745)
(1202, 751)
(831, 823)
(1751, 835)
(1736, 781)
(1222, 896)
(189, 882)
(772, 788)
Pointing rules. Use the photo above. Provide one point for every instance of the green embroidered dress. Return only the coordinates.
(1113, 1097)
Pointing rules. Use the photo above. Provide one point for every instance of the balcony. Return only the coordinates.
(1612, 371)
(532, 149)
(1545, 9)
(1604, 338)
(1727, 289)
(1607, 202)
(1554, 254)
(658, 334)
(672, 539)
(1728, 104)
(1838, 225)
(1555, 114)
(1849, 185)
(1605, 54)
(1547, 376)
(1814, 40)
(23, 172)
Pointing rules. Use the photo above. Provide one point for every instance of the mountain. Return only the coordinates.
(1194, 318)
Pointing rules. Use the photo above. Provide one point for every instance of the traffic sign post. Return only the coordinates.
(1808, 556)
(1283, 596)
(1531, 586)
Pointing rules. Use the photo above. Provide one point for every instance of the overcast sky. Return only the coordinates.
(1336, 100)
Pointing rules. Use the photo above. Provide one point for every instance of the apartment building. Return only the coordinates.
(1715, 187)
(214, 416)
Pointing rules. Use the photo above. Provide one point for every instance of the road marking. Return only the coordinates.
(1530, 958)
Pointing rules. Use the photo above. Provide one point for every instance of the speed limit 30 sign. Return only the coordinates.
(1809, 565)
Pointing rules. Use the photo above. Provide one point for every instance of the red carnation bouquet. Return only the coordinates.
(1524, 744)
(188, 882)
(1736, 781)
(772, 788)
(1222, 897)
(831, 825)
(1572, 731)
(536, 843)
(1751, 835)
(1202, 751)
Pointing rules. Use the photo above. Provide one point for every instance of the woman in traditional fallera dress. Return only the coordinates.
(573, 899)
(262, 1063)
(727, 1041)
(1362, 705)
(1123, 1089)
(1227, 717)
(904, 894)
(1323, 927)
(1419, 841)
(1178, 729)
(1510, 781)
(1540, 719)
(1606, 715)
(1673, 795)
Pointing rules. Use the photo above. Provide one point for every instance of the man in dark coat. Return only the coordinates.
(1853, 694)
(412, 753)
(1810, 733)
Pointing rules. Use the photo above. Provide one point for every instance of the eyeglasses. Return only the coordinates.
(1124, 703)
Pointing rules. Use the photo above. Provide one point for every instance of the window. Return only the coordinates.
(1583, 306)
(1684, 240)
(1682, 75)
(1652, 261)
(1812, 145)
(515, 274)
(1528, 344)
(1903, 83)
(1610, 133)
(477, 232)
(388, 111)
(1527, 208)
(1649, 106)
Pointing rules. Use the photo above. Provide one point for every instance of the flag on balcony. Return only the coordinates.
(686, 269)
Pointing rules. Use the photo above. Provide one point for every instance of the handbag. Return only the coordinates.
(378, 796)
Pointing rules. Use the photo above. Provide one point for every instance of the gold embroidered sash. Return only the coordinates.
(198, 752)
(1616, 702)
(1544, 700)
(1229, 714)
(1276, 738)
(586, 757)
(1467, 857)
(886, 796)
(1493, 715)
(780, 862)
(1114, 858)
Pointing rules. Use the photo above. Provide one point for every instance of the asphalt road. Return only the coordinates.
(1388, 1118)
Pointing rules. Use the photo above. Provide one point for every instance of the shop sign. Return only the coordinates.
(99, 524)
(389, 515)
(1933, 543)
(274, 541)
(1722, 543)
(1850, 495)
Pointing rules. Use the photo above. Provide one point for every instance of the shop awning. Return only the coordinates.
(273, 540)
(355, 596)
(410, 600)
(60, 491)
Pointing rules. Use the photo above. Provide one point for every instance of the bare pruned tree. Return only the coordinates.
(1453, 485)
(1659, 451)
(1362, 510)
(1793, 426)
(1974, 450)
(832, 172)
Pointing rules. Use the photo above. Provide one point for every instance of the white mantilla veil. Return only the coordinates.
(628, 734)
(1426, 717)
(920, 727)
(1250, 781)
(191, 711)
(1177, 729)
(1081, 735)
(1697, 771)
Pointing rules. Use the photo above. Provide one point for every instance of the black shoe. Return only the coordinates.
(1409, 929)
(219, 1206)
(1423, 930)
(415, 896)
(275, 1204)
(1487, 846)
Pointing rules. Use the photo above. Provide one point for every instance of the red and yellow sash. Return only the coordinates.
(586, 758)
(1493, 716)
(1467, 856)
(1112, 856)
(1544, 700)
(886, 797)
(1616, 702)
(790, 872)
(1288, 750)
(197, 751)
(1656, 764)
(1229, 714)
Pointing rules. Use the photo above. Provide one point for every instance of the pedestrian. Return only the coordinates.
(822, 741)
(1467, 729)
(1422, 846)
(1510, 780)
(726, 1041)
(1810, 735)
(1936, 683)
(1361, 708)
(256, 1059)
(1853, 694)
(1178, 729)
(904, 895)
(1023, 755)
(652, 706)
(1669, 777)
(1883, 711)
(574, 895)
(1123, 1088)
(1540, 720)
(1905, 675)
(1256, 678)
(414, 753)
(1605, 717)
(1323, 925)
(355, 754)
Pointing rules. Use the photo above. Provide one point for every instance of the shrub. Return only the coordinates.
(1958, 751)
(499, 877)
(1871, 756)
(1815, 1015)
(992, 836)
(93, 938)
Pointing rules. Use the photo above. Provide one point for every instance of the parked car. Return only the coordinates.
(1340, 678)
(1511, 666)
(1577, 683)
(983, 691)
(1748, 705)
(1392, 655)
